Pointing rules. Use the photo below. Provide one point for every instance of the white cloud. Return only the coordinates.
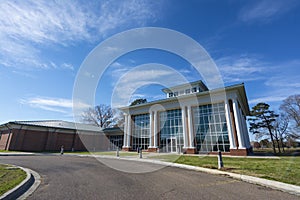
(27, 26)
(266, 10)
(140, 76)
(53, 104)
(281, 81)
(268, 99)
(241, 68)
(67, 66)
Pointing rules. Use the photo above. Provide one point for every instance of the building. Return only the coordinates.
(191, 119)
(50, 135)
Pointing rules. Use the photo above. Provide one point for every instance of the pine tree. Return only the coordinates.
(262, 120)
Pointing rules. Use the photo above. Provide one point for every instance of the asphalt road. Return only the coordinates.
(71, 177)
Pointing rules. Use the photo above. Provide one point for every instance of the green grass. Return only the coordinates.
(286, 169)
(10, 177)
(6, 151)
(269, 151)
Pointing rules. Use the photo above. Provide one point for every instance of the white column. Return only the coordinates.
(246, 134)
(125, 131)
(190, 127)
(229, 125)
(184, 127)
(128, 130)
(151, 129)
(155, 130)
(238, 124)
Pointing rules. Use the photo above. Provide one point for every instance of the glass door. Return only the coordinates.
(171, 145)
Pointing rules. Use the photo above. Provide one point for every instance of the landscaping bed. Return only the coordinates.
(10, 177)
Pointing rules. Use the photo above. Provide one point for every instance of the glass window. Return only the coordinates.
(171, 131)
(116, 141)
(141, 131)
(211, 128)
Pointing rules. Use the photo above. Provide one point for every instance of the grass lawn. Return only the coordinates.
(285, 169)
(10, 177)
(6, 151)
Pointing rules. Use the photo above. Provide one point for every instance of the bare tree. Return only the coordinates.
(280, 130)
(291, 106)
(101, 115)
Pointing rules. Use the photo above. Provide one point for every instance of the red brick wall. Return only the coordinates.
(44, 140)
(3, 139)
(28, 140)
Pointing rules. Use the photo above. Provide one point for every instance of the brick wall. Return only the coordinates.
(3, 140)
(45, 140)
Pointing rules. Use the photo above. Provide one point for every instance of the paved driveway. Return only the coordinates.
(72, 177)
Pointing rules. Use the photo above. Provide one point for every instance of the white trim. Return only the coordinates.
(128, 131)
(184, 128)
(237, 118)
(155, 129)
(151, 129)
(229, 125)
(190, 127)
(125, 131)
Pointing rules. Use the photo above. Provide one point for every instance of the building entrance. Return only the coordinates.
(171, 145)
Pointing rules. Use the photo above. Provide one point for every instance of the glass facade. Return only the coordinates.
(171, 131)
(210, 128)
(115, 142)
(141, 131)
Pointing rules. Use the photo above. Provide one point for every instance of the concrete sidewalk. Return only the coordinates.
(16, 153)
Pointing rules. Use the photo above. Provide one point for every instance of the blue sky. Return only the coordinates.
(43, 44)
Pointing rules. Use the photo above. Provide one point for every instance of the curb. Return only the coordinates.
(17, 154)
(25, 188)
(285, 187)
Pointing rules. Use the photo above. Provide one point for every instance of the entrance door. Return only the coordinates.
(171, 145)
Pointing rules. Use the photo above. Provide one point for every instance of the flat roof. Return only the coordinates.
(57, 124)
(177, 87)
(240, 87)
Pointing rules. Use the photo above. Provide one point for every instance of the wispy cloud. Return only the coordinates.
(266, 10)
(143, 75)
(241, 68)
(269, 99)
(281, 81)
(26, 26)
(60, 105)
(67, 66)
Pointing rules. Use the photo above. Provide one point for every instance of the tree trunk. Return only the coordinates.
(272, 139)
(277, 140)
(282, 145)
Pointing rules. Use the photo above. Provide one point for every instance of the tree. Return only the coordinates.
(262, 120)
(264, 143)
(291, 106)
(280, 130)
(101, 115)
(138, 101)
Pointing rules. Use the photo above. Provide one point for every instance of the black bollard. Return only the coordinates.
(141, 155)
(220, 161)
(118, 154)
